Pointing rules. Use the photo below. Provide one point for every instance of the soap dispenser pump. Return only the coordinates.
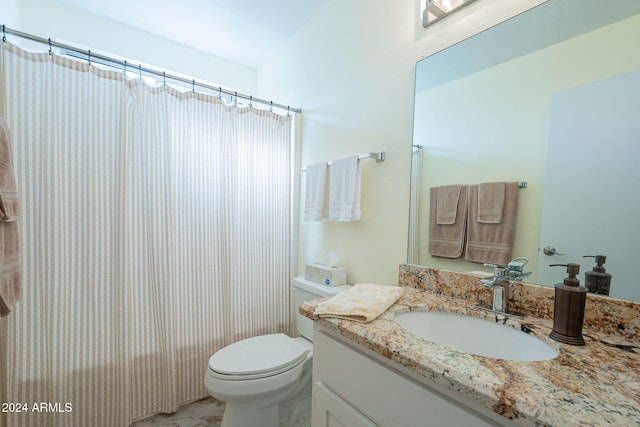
(568, 310)
(598, 280)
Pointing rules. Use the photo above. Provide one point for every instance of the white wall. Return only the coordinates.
(10, 13)
(50, 18)
(351, 69)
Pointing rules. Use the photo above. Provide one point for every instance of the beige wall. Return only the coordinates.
(351, 69)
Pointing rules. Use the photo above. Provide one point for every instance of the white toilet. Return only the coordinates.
(266, 380)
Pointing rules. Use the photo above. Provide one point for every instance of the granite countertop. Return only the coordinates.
(595, 384)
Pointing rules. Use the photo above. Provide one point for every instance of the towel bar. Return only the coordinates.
(379, 157)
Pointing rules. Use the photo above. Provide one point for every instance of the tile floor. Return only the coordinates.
(203, 413)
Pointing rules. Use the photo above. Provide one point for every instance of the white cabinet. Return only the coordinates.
(330, 410)
(353, 387)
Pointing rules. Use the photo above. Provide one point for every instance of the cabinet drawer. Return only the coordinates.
(329, 410)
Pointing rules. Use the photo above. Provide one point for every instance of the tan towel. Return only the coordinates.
(10, 245)
(447, 204)
(447, 240)
(492, 243)
(364, 302)
(491, 202)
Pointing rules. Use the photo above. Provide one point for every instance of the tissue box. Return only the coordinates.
(330, 276)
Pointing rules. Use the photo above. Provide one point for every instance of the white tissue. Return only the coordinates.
(329, 260)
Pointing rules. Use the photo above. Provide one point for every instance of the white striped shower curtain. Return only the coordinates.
(156, 229)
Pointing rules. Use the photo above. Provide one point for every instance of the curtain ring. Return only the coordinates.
(124, 69)
(250, 100)
(4, 34)
(271, 106)
(235, 99)
(140, 71)
(288, 113)
(50, 49)
(219, 92)
(89, 57)
(164, 78)
(193, 85)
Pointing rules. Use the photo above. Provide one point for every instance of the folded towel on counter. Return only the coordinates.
(447, 204)
(344, 189)
(447, 240)
(491, 242)
(10, 242)
(315, 184)
(491, 202)
(364, 302)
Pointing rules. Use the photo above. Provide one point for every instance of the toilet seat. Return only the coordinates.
(257, 357)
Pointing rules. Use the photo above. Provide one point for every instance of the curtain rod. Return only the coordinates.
(124, 64)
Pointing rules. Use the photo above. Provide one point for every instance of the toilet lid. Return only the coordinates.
(258, 356)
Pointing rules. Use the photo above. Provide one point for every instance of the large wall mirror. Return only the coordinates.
(550, 97)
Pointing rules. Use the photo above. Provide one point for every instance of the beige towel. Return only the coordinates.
(447, 204)
(491, 202)
(10, 245)
(492, 243)
(447, 240)
(364, 302)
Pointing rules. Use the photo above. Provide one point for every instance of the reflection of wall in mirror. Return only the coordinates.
(492, 125)
(591, 200)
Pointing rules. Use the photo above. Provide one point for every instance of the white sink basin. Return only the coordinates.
(474, 335)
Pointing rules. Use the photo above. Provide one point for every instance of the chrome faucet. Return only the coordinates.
(503, 279)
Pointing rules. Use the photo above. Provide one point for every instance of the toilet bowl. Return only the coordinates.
(266, 380)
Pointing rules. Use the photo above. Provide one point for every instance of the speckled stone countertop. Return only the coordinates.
(597, 384)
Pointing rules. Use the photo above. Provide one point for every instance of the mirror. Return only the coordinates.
(489, 109)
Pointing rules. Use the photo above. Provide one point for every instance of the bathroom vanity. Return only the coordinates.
(378, 373)
(367, 387)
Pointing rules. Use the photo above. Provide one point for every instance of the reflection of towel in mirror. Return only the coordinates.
(11, 260)
(492, 242)
(491, 202)
(447, 204)
(446, 239)
(364, 302)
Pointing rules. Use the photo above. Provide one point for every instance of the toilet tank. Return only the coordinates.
(306, 290)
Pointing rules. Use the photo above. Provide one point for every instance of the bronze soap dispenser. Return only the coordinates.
(568, 309)
(598, 280)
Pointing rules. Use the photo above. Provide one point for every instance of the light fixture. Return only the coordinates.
(438, 9)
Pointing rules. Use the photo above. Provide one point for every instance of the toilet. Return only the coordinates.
(266, 380)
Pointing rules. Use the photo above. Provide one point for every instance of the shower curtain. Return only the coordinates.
(156, 229)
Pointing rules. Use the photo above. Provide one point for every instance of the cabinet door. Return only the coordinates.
(331, 411)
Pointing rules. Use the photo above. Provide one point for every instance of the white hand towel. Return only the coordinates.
(315, 191)
(344, 189)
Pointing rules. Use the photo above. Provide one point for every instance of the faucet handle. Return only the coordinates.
(499, 271)
(517, 264)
